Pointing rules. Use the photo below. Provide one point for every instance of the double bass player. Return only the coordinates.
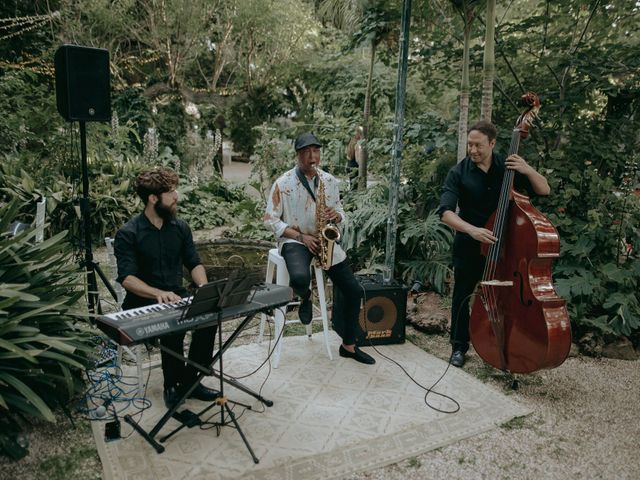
(474, 186)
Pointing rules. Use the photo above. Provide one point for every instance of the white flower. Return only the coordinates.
(192, 109)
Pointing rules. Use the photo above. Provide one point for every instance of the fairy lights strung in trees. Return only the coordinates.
(23, 24)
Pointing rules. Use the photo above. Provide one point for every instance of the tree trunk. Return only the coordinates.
(464, 89)
(489, 64)
(362, 167)
(220, 61)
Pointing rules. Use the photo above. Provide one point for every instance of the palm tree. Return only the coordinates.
(369, 22)
(489, 63)
(466, 8)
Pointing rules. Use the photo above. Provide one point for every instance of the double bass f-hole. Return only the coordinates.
(518, 275)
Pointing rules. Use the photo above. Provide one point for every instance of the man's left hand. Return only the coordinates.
(517, 163)
(332, 215)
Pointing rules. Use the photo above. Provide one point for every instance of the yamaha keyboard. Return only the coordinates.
(137, 325)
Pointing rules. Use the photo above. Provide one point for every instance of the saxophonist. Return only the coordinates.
(293, 210)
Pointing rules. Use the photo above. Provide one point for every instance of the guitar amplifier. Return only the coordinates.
(383, 311)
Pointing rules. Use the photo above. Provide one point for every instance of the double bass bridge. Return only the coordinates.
(496, 283)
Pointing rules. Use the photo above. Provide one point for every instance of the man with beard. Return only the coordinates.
(151, 249)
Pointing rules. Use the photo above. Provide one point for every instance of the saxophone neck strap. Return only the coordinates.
(305, 182)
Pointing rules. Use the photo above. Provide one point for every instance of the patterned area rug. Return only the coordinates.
(329, 418)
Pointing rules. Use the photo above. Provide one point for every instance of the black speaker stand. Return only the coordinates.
(85, 212)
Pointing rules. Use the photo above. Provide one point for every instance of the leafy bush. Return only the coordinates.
(43, 340)
(259, 105)
(110, 199)
(423, 243)
(598, 271)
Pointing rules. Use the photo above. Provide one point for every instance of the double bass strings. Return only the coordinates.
(491, 264)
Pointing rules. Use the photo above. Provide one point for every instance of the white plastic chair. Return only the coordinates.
(135, 354)
(276, 265)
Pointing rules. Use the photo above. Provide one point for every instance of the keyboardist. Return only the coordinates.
(151, 250)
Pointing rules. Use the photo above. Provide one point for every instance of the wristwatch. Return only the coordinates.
(300, 238)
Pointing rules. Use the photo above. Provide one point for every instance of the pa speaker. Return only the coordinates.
(83, 87)
(383, 312)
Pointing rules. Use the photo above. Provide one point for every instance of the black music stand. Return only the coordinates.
(225, 293)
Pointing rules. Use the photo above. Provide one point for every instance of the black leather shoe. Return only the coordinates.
(305, 311)
(205, 394)
(172, 396)
(358, 355)
(457, 359)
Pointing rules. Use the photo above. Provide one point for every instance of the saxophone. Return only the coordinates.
(329, 233)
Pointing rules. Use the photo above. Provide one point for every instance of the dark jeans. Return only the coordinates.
(467, 272)
(352, 170)
(298, 259)
(175, 370)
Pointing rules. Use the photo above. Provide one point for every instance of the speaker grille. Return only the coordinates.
(382, 317)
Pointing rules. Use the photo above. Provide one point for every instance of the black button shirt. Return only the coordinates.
(476, 192)
(153, 255)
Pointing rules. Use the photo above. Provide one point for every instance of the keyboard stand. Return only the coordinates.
(222, 401)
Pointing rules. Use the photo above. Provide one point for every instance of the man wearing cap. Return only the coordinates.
(291, 215)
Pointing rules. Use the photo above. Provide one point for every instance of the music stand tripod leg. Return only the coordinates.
(230, 381)
(244, 439)
(223, 404)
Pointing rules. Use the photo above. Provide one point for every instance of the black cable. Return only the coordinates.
(146, 403)
(428, 390)
(271, 352)
(208, 424)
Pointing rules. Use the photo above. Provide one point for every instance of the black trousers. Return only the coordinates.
(298, 259)
(353, 172)
(467, 272)
(174, 370)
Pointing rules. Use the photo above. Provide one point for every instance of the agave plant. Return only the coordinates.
(44, 336)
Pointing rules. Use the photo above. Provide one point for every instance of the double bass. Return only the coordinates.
(518, 322)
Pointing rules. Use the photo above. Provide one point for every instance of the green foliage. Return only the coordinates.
(423, 242)
(111, 201)
(30, 128)
(599, 270)
(133, 109)
(427, 244)
(259, 105)
(212, 204)
(171, 124)
(43, 340)
(273, 157)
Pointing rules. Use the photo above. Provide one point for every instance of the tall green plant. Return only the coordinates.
(43, 338)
